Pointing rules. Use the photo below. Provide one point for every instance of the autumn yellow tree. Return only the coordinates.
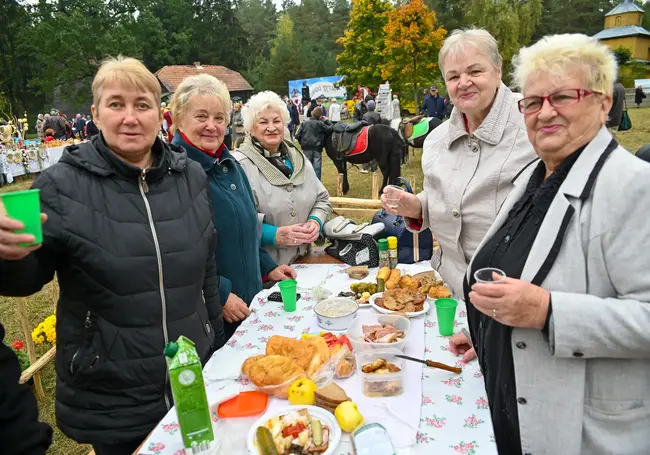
(411, 45)
(363, 43)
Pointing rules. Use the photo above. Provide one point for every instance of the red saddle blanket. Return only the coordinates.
(362, 142)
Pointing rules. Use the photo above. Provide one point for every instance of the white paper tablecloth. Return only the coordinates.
(454, 416)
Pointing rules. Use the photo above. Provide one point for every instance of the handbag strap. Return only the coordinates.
(401, 181)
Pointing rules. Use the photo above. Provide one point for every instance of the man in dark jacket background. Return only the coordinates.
(616, 112)
(79, 125)
(312, 136)
(57, 123)
(20, 431)
(434, 105)
(372, 117)
(361, 108)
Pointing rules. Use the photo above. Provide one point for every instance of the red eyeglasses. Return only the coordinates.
(563, 98)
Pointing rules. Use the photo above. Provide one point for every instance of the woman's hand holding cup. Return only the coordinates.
(11, 243)
(396, 201)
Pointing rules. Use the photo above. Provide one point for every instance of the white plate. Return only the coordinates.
(321, 414)
(414, 314)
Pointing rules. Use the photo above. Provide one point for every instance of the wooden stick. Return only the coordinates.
(31, 350)
(375, 185)
(355, 213)
(38, 365)
(355, 203)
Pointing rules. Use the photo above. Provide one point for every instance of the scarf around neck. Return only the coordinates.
(265, 161)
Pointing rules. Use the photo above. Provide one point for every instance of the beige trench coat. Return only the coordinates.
(287, 201)
(467, 178)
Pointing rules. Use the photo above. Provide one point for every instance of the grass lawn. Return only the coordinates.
(41, 305)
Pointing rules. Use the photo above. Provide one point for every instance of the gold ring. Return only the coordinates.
(494, 313)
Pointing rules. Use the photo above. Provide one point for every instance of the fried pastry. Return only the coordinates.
(439, 292)
(408, 282)
(271, 370)
(373, 366)
(309, 354)
(246, 367)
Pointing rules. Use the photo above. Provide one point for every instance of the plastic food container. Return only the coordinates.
(330, 318)
(381, 385)
(280, 390)
(355, 332)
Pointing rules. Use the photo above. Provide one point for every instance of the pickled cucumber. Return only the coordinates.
(354, 287)
(317, 432)
(265, 441)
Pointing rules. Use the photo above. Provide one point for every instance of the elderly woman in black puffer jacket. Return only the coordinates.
(130, 234)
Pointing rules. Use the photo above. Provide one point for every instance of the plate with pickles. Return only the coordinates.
(360, 292)
(301, 430)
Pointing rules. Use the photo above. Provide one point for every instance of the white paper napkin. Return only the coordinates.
(226, 363)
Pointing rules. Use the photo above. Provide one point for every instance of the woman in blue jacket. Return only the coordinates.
(200, 109)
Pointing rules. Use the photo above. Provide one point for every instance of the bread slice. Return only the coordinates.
(331, 394)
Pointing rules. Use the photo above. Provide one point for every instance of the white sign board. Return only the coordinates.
(383, 101)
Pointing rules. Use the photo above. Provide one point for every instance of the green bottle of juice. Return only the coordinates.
(191, 402)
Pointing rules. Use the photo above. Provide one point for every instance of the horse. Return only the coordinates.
(384, 145)
(415, 130)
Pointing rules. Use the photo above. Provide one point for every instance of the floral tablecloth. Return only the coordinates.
(454, 418)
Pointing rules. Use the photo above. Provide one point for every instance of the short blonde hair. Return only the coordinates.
(125, 71)
(201, 84)
(557, 55)
(259, 103)
(477, 38)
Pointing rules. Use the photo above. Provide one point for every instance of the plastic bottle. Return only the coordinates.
(384, 260)
(392, 252)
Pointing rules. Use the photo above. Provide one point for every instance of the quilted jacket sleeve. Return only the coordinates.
(28, 276)
(211, 285)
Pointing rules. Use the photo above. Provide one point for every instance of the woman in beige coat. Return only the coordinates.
(469, 161)
(291, 201)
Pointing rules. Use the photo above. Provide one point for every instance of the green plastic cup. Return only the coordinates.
(288, 292)
(446, 311)
(25, 206)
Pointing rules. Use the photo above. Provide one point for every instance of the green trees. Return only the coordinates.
(363, 43)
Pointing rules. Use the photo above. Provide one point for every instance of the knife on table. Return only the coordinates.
(432, 364)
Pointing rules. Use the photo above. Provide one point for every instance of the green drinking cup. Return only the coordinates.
(288, 292)
(25, 206)
(446, 311)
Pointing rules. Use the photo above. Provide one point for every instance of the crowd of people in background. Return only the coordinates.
(57, 126)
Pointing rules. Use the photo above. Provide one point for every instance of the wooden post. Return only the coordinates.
(31, 350)
(339, 185)
(375, 185)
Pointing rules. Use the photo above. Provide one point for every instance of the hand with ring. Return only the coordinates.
(293, 235)
(512, 302)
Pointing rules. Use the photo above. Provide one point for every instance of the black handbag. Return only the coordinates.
(361, 251)
(411, 247)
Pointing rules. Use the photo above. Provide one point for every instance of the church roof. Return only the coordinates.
(620, 32)
(627, 6)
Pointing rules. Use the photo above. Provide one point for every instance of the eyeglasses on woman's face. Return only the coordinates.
(559, 99)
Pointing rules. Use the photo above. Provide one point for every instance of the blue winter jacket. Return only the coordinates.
(241, 260)
(434, 107)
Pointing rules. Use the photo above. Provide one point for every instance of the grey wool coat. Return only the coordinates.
(586, 389)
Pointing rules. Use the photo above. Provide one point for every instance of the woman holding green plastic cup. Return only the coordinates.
(131, 238)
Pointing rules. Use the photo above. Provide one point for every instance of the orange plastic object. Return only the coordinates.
(245, 404)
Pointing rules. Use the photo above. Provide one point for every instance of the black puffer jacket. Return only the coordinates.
(135, 261)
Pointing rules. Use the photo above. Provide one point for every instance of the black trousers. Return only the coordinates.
(123, 448)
